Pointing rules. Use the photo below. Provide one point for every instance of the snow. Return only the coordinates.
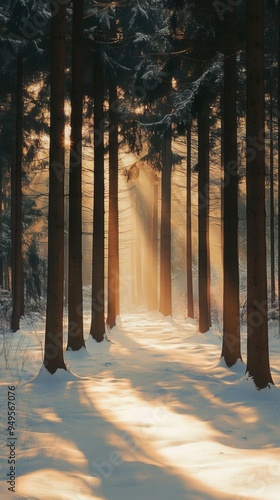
(154, 414)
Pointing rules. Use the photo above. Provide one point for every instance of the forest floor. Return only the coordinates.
(153, 414)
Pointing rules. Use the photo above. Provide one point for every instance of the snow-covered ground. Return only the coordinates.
(152, 415)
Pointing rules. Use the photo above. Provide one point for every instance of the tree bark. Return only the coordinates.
(6, 264)
(257, 328)
(203, 217)
(271, 198)
(113, 229)
(97, 329)
(139, 268)
(53, 355)
(75, 280)
(189, 227)
(1, 230)
(278, 143)
(133, 247)
(165, 233)
(16, 207)
(153, 245)
(231, 323)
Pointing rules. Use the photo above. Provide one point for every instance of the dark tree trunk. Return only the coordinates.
(165, 306)
(148, 242)
(53, 356)
(222, 177)
(7, 264)
(257, 328)
(7, 283)
(75, 281)
(203, 217)
(66, 238)
(272, 211)
(16, 207)
(153, 244)
(113, 229)
(189, 227)
(278, 141)
(1, 230)
(97, 329)
(231, 323)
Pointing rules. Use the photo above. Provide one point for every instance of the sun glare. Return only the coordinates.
(67, 137)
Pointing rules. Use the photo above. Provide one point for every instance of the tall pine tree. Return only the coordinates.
(53, 354)
(257, 321)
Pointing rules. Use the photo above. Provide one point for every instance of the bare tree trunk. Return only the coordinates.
(66, 236)
(133, 249)
(149, 242)
(155, 244)
(53, 356)
(75, 275)
(272, 211)
(222, 177)
(6, 264)
(231, 323)
(7, 284)
(138, 253)
(152, 270)
(113, 229)
(1, 230)
(278, 143)
(165, 234)
(97, 329)
(257, 328)
(16, 207)
(189, 227)
(203, 217)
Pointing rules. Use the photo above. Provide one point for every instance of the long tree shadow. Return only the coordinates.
(131, 424)
(68, 436)
(220, 389)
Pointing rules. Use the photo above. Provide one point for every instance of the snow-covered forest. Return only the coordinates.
(139, 249)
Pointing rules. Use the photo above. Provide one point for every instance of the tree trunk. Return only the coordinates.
(53, 356)
(138, 253)
(16, 207)
(189, 227)
(153, 245)
(7, 264)
(165, 234)
(222, 176)
(113, 229)
(75, 280)
(66, 236)
(66, 261)
(148, 222)
(1, 230)
(257, 327)
(133, 247)
(278, 143)
(138, 239)
(231, 323)
(271, 199)
(97, 329)
(203, 217)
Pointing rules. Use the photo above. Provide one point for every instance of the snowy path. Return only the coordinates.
(152, 414)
